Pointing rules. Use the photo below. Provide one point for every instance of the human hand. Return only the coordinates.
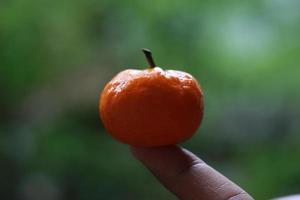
(187, 176)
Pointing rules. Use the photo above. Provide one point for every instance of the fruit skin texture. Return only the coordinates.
(152, 107)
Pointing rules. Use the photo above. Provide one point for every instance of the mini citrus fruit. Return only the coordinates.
(151, 107)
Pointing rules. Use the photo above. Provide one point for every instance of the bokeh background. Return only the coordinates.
(56, 56)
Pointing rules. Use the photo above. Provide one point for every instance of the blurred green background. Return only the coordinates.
(56, 56)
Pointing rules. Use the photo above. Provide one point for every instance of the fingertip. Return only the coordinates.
(143, 153)
(165, 160)
(138, 152)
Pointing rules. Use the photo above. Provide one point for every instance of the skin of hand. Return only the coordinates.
(187, 176)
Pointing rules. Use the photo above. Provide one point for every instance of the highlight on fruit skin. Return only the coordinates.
(152, 107)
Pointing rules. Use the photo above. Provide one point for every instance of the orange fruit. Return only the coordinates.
(151, 107)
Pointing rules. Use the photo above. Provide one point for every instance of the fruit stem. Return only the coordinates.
(149, 57)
